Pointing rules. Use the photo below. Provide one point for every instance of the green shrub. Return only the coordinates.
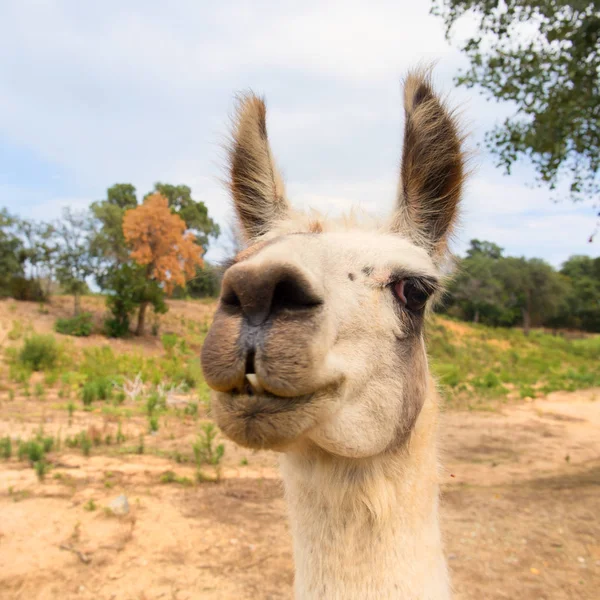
(31, 450)
(5, 447)
(116, 328)
(191, 409)
(169, 341)
(39, 352)
(30, 290)
(153, 423)
(85, 442)
(41, 469)
(104, 387)
(80, 326)
(89, 393)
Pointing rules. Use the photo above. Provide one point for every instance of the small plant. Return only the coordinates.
(85, 442)
(38, 390)
(5, 447)
(71, 410)
(204, 450)
(16, 332)
(153, 423)
(47, 443)
(89, 393)
(244, 462)
(90, 505)
(80, 326)
(39, 352)
(169, 341)
(32, 451)
(172, 477)
(152, 403)
(41, 468)
(120, 436)
(191, 409)
(140, 446)
(104, 388)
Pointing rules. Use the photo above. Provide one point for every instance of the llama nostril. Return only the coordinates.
(250, 362)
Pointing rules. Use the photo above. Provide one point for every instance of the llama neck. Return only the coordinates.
(369, 529)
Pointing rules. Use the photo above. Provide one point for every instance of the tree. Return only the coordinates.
(533, 287)
(193, 212)
(542, 55)
(483, 248)
(108, 244)
(128, 290)
(582, 302)
(11, 252)
(475, 290)
(74, 260)
(158, 240)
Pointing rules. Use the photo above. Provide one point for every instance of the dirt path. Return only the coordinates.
(520, 515)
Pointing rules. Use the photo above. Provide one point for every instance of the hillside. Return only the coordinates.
(476, 366)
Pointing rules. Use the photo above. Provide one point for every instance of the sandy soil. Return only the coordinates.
(520, 506)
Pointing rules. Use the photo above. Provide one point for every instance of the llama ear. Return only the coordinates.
(255, 183)
(432, 171)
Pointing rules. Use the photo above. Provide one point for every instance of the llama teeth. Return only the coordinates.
(253, 381)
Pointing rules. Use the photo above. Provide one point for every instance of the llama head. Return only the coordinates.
(317, 340)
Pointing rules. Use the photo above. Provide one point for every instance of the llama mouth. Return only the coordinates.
(262, 420)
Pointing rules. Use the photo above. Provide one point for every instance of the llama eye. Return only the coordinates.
(410, 294)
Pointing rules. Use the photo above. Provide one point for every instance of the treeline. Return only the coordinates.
(507, 291)
(136, 251)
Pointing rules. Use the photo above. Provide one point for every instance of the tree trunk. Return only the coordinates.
(77, 304)
(476, 316)
(141, 319)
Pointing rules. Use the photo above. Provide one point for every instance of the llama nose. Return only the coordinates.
(260, 291)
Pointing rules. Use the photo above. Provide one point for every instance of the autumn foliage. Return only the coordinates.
(157, 239)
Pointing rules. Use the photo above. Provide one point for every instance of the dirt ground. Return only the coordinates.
(520, 506)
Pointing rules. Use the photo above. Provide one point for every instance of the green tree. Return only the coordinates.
(582, 301)
(543, 56)
(75, 263)
(11, 252)
(532, 287)
(483, 248)
(108, 244)
(475, 291)
(128, 290)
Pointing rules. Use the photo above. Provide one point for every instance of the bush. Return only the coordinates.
(31, 450)
(39, 352)
(96, 389)
(5, 447)
(116, 327)
(169, 341)
(80, 326)
(89, 393)
(30, 290)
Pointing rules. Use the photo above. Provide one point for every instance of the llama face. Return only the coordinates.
(328, 325)
(318, 336)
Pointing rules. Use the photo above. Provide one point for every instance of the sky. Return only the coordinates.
(97, 93)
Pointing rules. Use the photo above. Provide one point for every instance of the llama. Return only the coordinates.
(317, 351)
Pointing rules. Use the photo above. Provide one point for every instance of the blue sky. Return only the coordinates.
(98, 93)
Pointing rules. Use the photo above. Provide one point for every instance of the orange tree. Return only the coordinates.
(159, 243)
